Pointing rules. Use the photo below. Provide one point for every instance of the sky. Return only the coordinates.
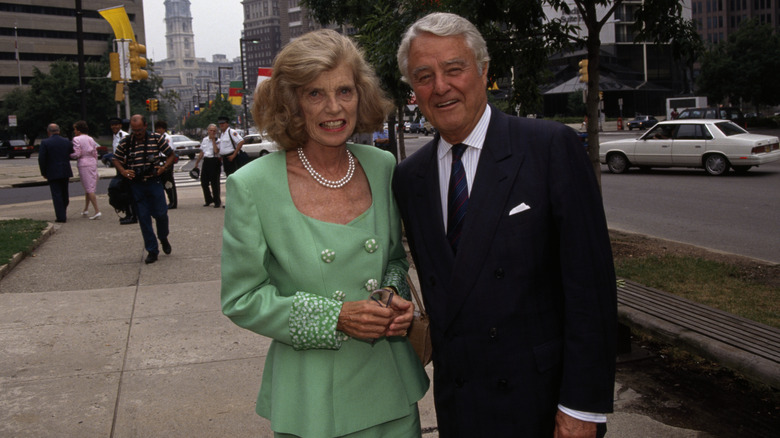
(216, 24)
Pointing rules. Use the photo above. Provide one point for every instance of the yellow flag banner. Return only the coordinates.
(117, 18)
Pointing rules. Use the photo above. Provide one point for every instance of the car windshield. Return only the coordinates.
(178, 138)
(729, 128)
(253, 138)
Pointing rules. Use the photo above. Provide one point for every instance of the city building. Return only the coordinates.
(196, 80)
(35, 33)
(716, 19)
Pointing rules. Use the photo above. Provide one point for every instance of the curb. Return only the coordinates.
(19, 256)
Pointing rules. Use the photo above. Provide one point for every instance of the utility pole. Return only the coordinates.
(80, 38)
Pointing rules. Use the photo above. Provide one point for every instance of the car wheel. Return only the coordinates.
(263, 153)
(191, 156)
(716, 164)
(630, 127)
(617, 163)
(741, 170)
(10, 156)
(27, 156)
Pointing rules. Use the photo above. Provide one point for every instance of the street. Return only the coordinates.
(733, 213)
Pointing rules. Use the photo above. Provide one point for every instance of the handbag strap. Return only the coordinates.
(416, 297)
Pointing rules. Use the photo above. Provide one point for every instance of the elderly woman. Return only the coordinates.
(310, 233)
(85, 151)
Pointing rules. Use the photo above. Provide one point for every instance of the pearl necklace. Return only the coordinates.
(326, 182)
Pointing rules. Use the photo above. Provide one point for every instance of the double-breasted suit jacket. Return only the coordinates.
(523, 317)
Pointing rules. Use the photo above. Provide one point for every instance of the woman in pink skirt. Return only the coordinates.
(85, 151)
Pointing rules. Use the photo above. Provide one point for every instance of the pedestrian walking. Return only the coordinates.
(54, 162)
(85, 151)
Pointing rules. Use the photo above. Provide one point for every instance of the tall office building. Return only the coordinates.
(261, 37)
(716, 19)
(44, 31)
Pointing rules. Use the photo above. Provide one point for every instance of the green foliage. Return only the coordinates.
(53, 97)
(18, 235)
(742, 67)
(220, 107)
(575, 105)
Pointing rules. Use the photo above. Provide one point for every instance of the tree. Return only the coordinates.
(52, 98)
(657, 20)
(739, 69)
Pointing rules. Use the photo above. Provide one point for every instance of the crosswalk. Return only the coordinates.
(182, 177)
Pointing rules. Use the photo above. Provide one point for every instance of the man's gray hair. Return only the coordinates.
(53, 128)
(443, 24)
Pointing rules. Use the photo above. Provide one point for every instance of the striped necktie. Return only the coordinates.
(458, 197)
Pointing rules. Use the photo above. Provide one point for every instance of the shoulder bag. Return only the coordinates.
(420, 331)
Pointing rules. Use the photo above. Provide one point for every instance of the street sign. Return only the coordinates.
(11, 120)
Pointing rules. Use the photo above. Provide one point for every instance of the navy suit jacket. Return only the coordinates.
(524, 317)
(54, 158)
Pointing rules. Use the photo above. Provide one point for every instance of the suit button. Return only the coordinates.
(459, 382)
(499, 273)
(493, 332)
(503, 383)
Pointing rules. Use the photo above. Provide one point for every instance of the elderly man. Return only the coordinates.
(54, 162)
(138, 159)
(230, 143)
(507, 230)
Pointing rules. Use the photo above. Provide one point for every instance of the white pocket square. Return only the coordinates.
(520, 208)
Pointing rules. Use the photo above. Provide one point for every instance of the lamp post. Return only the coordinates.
(208, 91)
(219, 78)
(243, 77)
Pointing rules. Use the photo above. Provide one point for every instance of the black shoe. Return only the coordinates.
(128, 220)
(166, 246)
(171, 207)
(151, 258)
(60, 220)
(216, 205)
(207, 204)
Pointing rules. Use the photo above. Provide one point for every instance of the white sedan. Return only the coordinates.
(715, 145)
(256, 145)
(183, 145)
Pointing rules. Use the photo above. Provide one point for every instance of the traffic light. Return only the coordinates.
(583, 70)
(154, 104)
(149, 105)
(116, 69)
(137, 61)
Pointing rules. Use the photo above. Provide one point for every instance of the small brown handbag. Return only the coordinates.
(420, 331)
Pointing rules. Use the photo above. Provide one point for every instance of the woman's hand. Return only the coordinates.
(403, 315)
(365, 319)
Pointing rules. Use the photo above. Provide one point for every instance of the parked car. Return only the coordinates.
(256, 145)
(715, 145)
(722, 113)
(420, 128)
(183, 145)
(642, 122)
(16, 148)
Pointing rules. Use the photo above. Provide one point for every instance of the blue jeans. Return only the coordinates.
(150, 199)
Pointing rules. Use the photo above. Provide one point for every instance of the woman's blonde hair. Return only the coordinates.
(276, 109)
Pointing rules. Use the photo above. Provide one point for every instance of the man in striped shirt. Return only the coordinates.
(138, 158)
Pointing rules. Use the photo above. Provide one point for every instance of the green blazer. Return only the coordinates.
(285, 275)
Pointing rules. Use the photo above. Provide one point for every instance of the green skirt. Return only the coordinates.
(406, 427)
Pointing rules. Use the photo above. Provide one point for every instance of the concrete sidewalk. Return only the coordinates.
(94, 343)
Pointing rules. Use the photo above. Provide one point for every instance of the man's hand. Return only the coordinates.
(570, 427)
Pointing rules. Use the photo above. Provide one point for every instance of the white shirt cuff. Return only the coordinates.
(590, 417)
